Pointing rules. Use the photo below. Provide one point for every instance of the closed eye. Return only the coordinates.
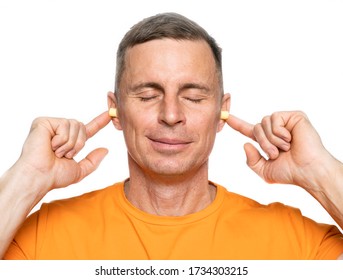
(147, 98)
(194, 100)
(195, 92)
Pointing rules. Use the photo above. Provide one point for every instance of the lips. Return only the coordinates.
(170, 141)
(169, 144)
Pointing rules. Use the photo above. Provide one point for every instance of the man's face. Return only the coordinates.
(169, 106)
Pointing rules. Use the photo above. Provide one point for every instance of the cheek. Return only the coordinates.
(132, 117)
(135, 126)
(206, 128)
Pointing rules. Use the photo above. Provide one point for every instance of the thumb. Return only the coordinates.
(91, 162)
(254, 159)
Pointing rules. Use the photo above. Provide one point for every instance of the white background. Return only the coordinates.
(57, 58)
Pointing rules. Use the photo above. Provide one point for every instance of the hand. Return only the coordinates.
(49, 149)
(296, 153)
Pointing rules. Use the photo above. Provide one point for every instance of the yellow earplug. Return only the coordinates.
(112, 112)
(224, 115)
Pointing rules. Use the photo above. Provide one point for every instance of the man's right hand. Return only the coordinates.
(50, 147)
(46, 163)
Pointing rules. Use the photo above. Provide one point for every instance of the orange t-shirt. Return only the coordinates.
(104, 225)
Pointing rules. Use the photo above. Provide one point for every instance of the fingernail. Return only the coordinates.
(272, 153)
(70, 154)
(59, 153)
(285, 147)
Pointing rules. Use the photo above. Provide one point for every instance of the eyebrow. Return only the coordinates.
(158, 86)
(200, 86)
(143, 85)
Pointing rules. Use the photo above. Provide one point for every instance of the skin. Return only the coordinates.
(46, 163)
(296, 156)
(169, 108)
(169, 138)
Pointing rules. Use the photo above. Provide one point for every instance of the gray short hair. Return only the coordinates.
(165, 25)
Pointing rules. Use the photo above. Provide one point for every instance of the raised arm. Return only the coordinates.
(296, 156)
(46, 163)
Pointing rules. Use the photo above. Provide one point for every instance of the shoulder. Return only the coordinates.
(285, 218)
(76, 212)
(66, 219)
(89, 197)
(91, 202)
(244, 203)
(241, 206)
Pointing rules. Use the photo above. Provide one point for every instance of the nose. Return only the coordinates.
(171, 111)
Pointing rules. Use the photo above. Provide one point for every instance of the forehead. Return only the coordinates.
(169, 58)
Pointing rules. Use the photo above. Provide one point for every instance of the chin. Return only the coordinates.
(175, 169)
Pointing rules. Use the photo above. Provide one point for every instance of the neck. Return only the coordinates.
(170, 195)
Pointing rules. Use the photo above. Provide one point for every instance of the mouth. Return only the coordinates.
(169, 144)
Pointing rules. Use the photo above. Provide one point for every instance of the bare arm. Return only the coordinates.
(46, 163)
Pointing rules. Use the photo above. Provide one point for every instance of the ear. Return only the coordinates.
(225, 106)
(113, 103)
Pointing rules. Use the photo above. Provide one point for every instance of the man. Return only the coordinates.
(168, 101)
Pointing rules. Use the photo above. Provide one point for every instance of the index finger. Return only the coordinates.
(97, 124)
(241, 126)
